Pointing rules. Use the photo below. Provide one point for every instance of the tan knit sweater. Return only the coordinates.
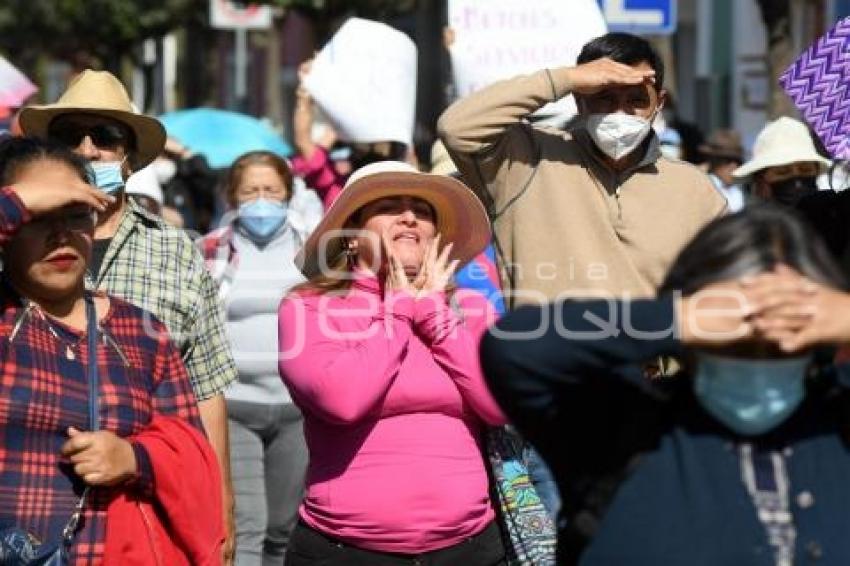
(564, 223)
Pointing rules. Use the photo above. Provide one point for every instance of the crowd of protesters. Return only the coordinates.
(594, 344)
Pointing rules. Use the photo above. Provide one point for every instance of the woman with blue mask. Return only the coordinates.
(251, 258)
(740, 459)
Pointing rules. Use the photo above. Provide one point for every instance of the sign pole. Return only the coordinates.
(241, 70)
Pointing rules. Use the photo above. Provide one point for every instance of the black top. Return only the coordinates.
(646, 475)
(98, 252)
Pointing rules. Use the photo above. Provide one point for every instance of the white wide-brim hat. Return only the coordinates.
(461, 218)
(781, 142)
(145, 183)
(101, 94)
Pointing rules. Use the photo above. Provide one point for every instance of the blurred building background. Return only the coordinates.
(723, 55)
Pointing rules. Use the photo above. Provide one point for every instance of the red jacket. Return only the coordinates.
(181, 523)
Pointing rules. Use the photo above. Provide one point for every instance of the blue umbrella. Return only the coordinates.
(222, 136)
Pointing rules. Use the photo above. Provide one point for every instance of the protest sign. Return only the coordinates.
(364, 80)
(499, 39)
(15, 87)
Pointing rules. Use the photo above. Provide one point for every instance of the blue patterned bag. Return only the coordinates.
(529, 528)
(19, 548)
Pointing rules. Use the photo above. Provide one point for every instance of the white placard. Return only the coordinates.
(499, 39)
(364, 80)
(225, 14)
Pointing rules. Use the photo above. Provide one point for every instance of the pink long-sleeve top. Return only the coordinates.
(394, 407)
(318, 172)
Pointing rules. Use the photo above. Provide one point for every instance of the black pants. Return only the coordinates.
(309, 547)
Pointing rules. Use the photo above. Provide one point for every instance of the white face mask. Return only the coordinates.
(618, 134)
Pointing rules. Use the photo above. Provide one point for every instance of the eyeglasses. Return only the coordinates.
(71, 134)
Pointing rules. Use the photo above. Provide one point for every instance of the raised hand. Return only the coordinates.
(396, 278)
(717, 315)
(780, 306)
(100, 458)
(590, 78)
(801, 313)
(42, 198)
(436, 271)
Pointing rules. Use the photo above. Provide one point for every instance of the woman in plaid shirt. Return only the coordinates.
(47, 218)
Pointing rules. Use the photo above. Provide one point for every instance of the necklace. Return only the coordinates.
(70, 354)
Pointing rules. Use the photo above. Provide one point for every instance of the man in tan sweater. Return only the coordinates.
(594, 210)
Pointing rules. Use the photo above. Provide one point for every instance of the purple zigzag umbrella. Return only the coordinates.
(818, 82)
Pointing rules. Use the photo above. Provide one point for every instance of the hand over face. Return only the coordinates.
(396, 278)
(798, 313)
(716, 315)
(436, 271)
(780, 307)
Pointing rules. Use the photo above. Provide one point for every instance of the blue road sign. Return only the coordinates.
(642, 17)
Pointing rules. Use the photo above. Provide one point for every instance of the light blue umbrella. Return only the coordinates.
(222, 136)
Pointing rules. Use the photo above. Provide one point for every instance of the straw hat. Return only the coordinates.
(781, 142)
(724, 143)
(461, 217)
(99, 93)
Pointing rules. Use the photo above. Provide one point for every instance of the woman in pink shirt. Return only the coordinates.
(382, 358)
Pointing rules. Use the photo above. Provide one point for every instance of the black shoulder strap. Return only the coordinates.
(70, 529)
(93, 339)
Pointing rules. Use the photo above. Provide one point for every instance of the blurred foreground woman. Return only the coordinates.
(740, 460)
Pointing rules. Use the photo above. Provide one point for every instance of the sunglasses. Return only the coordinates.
(79, 220)
(71, 134)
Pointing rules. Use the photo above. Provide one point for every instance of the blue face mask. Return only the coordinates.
(261, 218)
(107, 175)
(750, 396)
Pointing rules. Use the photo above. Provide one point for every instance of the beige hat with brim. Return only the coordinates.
(101, 94)
(461, 218)
(781, 142)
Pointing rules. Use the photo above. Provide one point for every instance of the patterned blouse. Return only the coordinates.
(44, 390)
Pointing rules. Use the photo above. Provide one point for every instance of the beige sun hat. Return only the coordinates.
(99, 93)
(461, 218)
(781, 142)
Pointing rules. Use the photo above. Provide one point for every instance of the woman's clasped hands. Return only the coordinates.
(434, 274)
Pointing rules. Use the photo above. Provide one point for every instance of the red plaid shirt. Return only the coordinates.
(43, 391)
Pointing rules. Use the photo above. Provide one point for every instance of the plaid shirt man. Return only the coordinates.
(44, 390)
(157, 268)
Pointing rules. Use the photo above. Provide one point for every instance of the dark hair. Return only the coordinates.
(750, 242)
(17, 153)
(363, 154)
(715, 161)
(624, 48)
(265, 158)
